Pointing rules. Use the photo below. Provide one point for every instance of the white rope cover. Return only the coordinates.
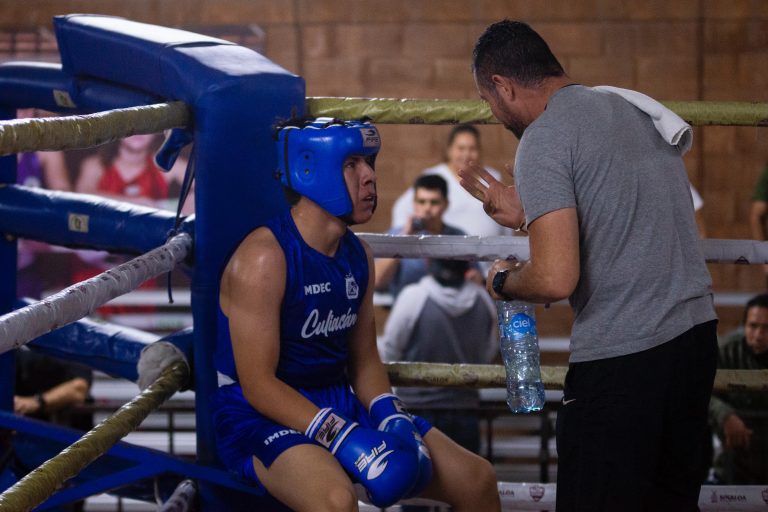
(448, 246)
(71, 304)
(502, 247)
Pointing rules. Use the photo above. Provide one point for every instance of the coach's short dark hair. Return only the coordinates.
(431, 182)
(514, 50)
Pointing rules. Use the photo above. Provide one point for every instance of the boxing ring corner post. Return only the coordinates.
(8, 260)
(235, 96)
(232, 97)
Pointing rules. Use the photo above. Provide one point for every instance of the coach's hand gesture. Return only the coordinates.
(501, 202)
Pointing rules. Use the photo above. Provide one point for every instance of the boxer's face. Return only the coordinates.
(756, 329)
(361, 185)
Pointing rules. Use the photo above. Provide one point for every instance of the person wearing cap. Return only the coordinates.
(304, 407)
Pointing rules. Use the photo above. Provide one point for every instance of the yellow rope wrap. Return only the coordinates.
(493, 376)
(402, 111)
(71, 132)
(59, 133)
(38, 485)
(412, 111)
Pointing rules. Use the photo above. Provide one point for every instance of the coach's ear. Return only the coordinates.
(505, 88)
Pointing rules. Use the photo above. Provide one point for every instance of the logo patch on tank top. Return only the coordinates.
(317, 288)
(352, 289)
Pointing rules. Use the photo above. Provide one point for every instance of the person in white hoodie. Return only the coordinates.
(464, 212)
(443, 318)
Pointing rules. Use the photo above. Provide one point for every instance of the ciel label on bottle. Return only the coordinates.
(521, 325)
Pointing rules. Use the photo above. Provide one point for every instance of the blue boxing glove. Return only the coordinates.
(390, 414)
(377, 460)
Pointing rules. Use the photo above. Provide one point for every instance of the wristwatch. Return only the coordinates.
(498, 281)
(41, 403)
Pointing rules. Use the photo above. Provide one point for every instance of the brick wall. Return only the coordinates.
(683, 50)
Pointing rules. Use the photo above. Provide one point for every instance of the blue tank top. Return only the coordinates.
(319, 309)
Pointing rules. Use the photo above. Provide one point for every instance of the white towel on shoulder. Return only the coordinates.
(672, 128)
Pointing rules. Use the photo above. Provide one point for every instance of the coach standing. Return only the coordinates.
(605, 200)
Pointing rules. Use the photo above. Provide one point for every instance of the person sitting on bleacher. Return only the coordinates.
(443, 318)
(739, 418)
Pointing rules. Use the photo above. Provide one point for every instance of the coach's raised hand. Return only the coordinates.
(501, 202)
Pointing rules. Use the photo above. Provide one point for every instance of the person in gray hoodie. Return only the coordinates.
(443, 318)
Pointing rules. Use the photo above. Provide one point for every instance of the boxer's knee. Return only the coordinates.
(336, 497)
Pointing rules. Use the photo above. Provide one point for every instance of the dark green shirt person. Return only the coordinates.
(741, 418)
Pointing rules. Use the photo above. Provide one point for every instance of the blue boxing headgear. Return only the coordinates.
(311, 159)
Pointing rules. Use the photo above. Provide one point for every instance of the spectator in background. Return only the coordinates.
(49, 389)
(125, 171)
(758, 215)
(46, 169)
(430, 200)
(464, 211)
(130, 174)
(741, 418)
(443, 318)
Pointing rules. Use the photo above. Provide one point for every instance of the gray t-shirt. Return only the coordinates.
(643, 280)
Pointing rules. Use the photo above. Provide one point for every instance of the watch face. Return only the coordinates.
(498, 281)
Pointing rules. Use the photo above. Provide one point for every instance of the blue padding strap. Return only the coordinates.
(110, 348)
(30, 84)
(77, 220)
(46, 86)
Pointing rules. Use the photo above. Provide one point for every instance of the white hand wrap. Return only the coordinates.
(155, 358)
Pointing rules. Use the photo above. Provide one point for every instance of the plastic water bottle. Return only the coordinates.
(520, 352)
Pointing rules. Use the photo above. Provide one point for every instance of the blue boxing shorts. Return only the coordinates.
(242, 432)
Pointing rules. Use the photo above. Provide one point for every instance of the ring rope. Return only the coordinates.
(182, 499)
(418, 111)
(59, 133)
(491, 248)
(81, 299)
(38, 485)
(77, 132)
(493, 376)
